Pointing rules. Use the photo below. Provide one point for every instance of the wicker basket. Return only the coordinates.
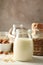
(38, 42)
(38, 46)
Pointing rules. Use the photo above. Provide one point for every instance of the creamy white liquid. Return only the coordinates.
(23, 49)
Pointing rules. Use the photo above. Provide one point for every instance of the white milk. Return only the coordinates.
(23, 49)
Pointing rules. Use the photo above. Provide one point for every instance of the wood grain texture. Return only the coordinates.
(20, 12)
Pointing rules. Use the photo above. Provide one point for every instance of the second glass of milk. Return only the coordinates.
(23, 46)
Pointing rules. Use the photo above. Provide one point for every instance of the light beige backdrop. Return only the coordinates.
(20, 12)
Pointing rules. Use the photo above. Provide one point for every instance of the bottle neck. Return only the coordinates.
(22, 34)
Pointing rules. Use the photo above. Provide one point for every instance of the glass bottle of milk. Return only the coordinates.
(23, 46)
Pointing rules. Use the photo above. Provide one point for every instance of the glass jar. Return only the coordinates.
(23, 46)
(12, 31)
(37, 36)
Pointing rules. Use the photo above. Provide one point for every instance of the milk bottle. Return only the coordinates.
(23, 46)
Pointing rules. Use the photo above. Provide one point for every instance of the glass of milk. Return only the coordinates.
(23, 46)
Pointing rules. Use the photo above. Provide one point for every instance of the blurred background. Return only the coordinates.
(20, 12)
